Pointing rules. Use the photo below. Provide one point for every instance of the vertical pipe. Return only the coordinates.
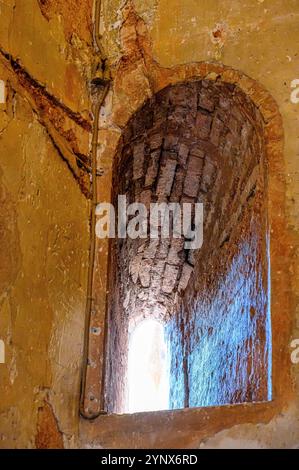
(91, 261)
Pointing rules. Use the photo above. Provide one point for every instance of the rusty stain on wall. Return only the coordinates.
(48, 434)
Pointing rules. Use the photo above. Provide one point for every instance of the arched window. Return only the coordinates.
(196, 142)
(227, 282)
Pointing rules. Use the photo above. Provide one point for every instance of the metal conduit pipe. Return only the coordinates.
(102, 81)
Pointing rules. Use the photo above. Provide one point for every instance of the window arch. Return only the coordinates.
(197, 423)
(197, 141)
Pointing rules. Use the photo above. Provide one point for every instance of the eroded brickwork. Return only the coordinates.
(193, 142)
(219, 337)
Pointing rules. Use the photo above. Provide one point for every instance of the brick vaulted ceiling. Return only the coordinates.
(187, 144)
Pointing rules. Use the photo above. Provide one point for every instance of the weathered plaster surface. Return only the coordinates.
(44, 224)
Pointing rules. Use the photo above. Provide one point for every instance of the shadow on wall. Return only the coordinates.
(199, 141)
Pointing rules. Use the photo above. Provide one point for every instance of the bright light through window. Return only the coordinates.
(148, 378)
